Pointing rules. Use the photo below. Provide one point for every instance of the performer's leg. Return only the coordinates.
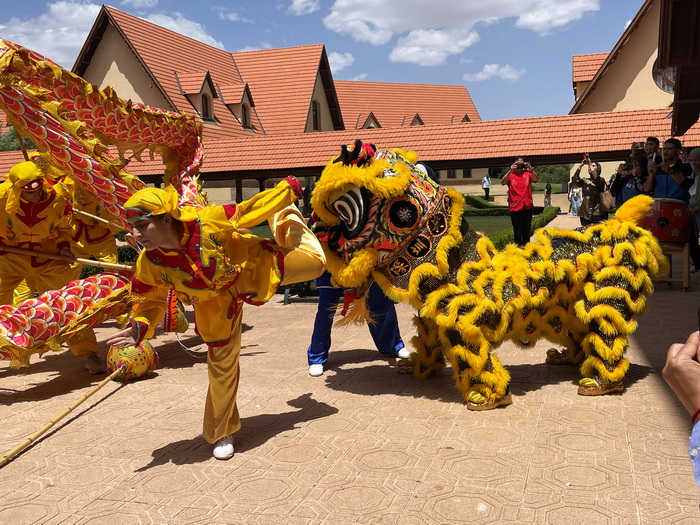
(24, 291)
(428, 358)
(317, 353)
(479, 375)
(14, 268)
(384, 327)
(221, 418)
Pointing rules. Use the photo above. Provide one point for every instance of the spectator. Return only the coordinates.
(651, 150)
(519, 180)
(670, 180)
(548, 196)
(627, 184)
(591, 187)
(575, 199)
(682, 373)
(486, 185)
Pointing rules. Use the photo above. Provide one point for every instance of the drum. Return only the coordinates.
(669, 221)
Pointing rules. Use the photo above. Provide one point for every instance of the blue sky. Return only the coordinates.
(514, 56)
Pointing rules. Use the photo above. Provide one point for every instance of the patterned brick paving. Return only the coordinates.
(360, 445)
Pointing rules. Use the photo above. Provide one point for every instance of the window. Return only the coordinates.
(206, 107)
(466, 173)
(245, 116)
(665, 78)
(315, 116)
(451, 174)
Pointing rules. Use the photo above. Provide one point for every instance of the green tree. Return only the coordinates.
(9, 141)
(552, 173)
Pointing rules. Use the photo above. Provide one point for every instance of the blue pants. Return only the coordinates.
(384, 330)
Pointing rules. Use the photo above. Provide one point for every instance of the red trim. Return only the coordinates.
(269, 245)
(229, 210)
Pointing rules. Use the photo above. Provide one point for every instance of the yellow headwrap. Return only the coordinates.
(154, 201)
(19, 175)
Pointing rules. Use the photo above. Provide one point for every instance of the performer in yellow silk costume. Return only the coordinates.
(88, 238)
(214, 266)
(34, 217)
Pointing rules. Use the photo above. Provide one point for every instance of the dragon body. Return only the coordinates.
(383, 220)
(84, 133)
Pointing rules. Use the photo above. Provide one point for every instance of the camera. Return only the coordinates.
(520, 165)
(585, 155)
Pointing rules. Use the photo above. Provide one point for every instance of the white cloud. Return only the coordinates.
(57, 34)
(546, 15)
(340, 61)
(361, 76)
(178, 23)
(431, 47)
(232, 16)
(506, 72)
(140, 4)
(263, 45)
(60, 32)
(303, 7)
(429, 32)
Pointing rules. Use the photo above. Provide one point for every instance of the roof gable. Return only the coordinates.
(625, 70)
(193, 83)
(295, 68)
(163, 52)
(392, 103)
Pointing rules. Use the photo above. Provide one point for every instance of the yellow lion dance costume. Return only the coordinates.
(380, 218)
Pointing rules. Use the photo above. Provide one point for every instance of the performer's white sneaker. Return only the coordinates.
(315, 370)
(403, 354)
(94, 364)
(224, 448)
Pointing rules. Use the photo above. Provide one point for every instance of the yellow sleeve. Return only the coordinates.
(266, 203)
(151, 300)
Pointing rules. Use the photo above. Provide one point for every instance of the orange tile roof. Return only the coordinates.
(554, 139)
(233, 93)
(395, 105)
(586, 66)
(164, 51)
(191, 83)
(561, 138)
(282, 82)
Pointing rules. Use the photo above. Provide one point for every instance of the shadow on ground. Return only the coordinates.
(256, 430)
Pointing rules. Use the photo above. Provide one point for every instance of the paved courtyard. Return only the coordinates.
(360, 445)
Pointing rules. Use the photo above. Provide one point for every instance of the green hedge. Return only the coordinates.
(126, 254)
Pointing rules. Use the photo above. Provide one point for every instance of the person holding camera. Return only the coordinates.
(519, 181)
(591, 187)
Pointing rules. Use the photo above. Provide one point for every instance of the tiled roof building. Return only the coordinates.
(255, 104)
(401, 105)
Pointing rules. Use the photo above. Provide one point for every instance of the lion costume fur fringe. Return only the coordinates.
(579, 288)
